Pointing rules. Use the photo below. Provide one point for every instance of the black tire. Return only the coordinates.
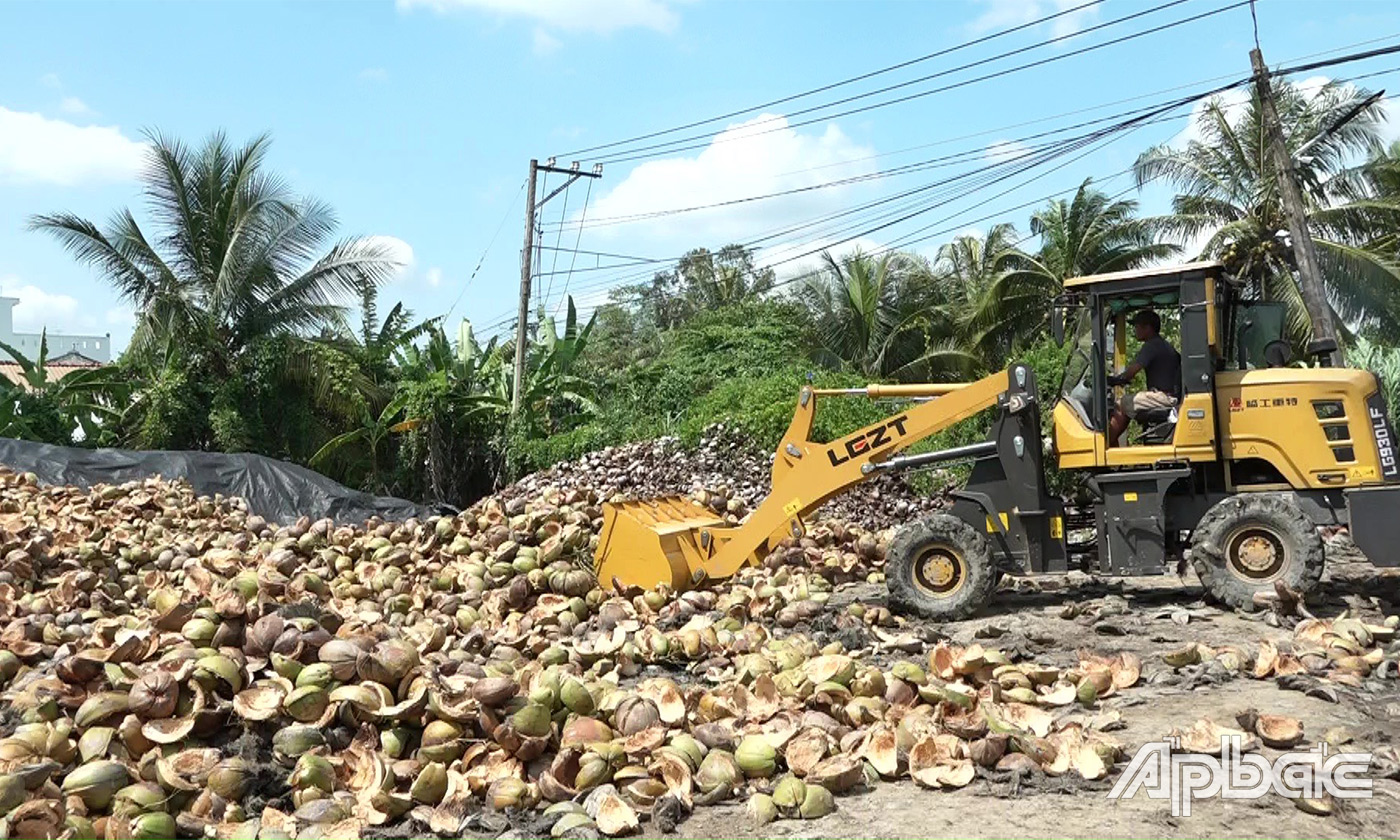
(1247, 543)
(939, 568)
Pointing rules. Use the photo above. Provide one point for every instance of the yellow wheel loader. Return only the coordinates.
(1255, 457)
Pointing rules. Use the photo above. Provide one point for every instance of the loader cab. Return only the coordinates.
(1094, 313)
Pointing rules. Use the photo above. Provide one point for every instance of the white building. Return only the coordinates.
(95, 347)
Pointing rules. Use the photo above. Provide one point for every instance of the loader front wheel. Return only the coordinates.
(1247, 543)
(939, 568)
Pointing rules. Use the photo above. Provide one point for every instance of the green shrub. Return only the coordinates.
(744, 366)
(1384, 362)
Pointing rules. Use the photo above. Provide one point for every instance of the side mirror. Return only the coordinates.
(1057, 325)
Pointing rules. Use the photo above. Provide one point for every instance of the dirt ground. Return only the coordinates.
(1050, 620)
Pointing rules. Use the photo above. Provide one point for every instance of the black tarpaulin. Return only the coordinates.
(276, 490)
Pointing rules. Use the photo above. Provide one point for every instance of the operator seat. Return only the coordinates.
(1158, 425)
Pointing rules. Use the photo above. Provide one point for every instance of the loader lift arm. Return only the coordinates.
(676, 542)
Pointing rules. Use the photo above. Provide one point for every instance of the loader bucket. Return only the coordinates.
(653, 541)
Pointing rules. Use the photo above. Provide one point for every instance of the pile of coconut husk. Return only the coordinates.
(728, 472)
(172, 665)
(1344, 651)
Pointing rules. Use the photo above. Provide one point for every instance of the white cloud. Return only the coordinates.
(51, 80)
(727, 169)
(75, 106)
(434, 277)
(1005, 14)
(545, 44)
(34, 148)
(373, 74)
(397, 250)
(601, 16)
(1003, 151)
(38, 309)
(732, 168)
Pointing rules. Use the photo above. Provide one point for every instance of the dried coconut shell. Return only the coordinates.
(614, 817)
(838, 773)
(1204, 738)
(1279, 731)
(880, 749)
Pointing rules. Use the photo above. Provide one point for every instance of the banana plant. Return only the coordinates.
(370, 436)
(54, 409)
(552, 384)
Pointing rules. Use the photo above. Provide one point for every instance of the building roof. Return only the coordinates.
(1156, 271)
(58, 368)
(73, 359)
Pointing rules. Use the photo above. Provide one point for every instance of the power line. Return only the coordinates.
(642, 216)
(579, 237)
(1078, 143)
(670, 147)
(951, 229)
(842, 83)
(1019, 162)
(912, 238)
(642, 260)
(906, 240)
(484, 252)
(979, 172)
(554, 262)
(906, 169)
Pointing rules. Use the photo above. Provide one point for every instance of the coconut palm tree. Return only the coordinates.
(873, 316)
(232, 259)
(1373, 190)
(967, 269)
(1227, 193)
(1091, 233)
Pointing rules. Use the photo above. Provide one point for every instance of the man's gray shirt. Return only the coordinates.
(1162, 366)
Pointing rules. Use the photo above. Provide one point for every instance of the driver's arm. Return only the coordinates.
(1128, 374)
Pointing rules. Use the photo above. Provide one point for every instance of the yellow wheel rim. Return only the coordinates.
(1256, 553)
(940, 572)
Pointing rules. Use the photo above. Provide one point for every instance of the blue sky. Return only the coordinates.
(416, 119)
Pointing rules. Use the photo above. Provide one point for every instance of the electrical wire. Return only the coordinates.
(904, 241)
(554, 263)
(997, 170)
(642, 260)
(906, 169)
(640, 216)
(487, 250)
(579, 237)
(842, 83)
(1106, 134)
(670, 147)
(909, 239)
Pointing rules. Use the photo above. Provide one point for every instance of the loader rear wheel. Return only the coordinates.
(939, 568)
(1247, 543)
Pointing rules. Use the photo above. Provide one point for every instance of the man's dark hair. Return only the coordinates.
(1150, 318)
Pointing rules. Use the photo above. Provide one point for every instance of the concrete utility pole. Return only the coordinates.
(1309, 274)
(526, 273)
